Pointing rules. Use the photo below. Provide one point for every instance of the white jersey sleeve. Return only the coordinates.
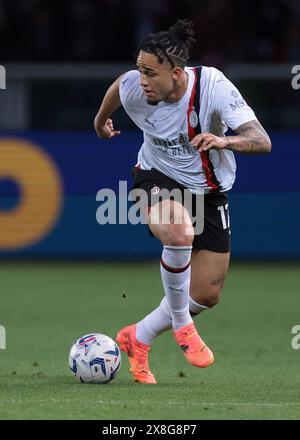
(229, 104)
(129, 89)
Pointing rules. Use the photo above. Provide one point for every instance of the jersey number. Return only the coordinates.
(224, 216)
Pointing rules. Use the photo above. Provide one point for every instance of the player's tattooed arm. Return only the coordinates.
(251, 138)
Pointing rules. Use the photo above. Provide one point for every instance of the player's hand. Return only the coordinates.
(204, 141)
(107, 131)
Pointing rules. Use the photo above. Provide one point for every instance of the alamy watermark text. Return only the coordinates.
(2, 338)
(2, 78)
(296, 78)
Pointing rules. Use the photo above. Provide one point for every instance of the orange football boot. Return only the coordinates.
(195, 350)
(137, 354)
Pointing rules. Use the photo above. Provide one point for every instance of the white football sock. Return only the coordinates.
(155, 323)
(175, 270)
(196, 308)
(160, 320)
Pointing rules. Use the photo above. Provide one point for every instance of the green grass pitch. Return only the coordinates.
(45, 307)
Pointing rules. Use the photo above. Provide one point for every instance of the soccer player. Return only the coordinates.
(184, 113)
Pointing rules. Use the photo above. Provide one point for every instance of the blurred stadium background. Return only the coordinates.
(59, 62)
(60, 57)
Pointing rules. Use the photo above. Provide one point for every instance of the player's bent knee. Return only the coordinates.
(176, 237)
(169, 221)
(178, 241)
(173, 235)
(209, 299)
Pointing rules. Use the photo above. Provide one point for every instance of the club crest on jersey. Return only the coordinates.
(193, 119)
(155, 190)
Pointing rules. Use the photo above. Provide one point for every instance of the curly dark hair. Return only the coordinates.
(172, 45)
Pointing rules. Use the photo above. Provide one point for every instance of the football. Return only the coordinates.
(95, 358)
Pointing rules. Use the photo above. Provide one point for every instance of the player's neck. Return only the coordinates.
(179, 90)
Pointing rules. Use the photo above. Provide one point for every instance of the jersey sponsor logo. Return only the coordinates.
(175, 147)
(178, 151)
(238, 103)
(182, 140)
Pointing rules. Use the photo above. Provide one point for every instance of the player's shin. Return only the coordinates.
(176, 273)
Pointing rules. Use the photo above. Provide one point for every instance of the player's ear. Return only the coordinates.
(176, 73)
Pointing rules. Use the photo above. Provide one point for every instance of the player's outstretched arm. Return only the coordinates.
(251, 138)
(111, 102)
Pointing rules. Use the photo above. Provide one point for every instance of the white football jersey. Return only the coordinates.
(210, 104)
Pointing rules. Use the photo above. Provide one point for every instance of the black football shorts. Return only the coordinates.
(216, 235)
